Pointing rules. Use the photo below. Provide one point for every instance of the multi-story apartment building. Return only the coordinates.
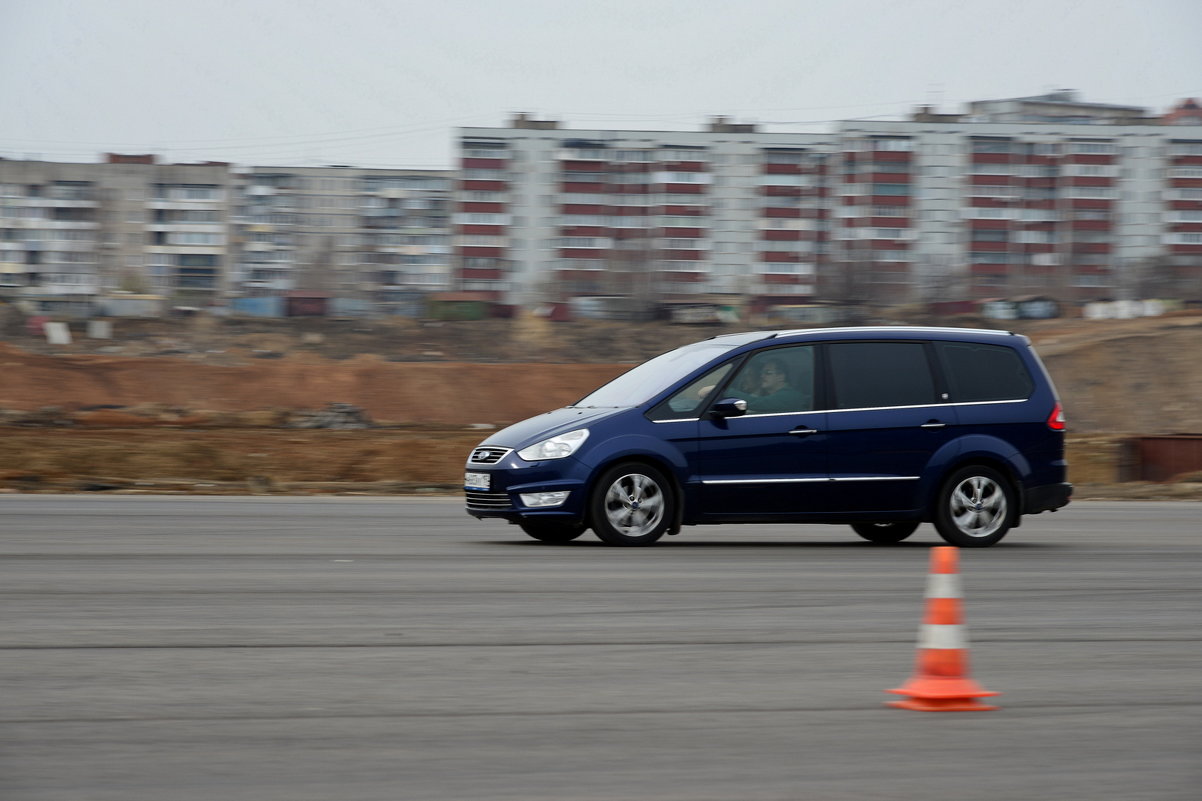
(71, 232)
(1039, 195)
(196, 234)
(373, 237)
(545, 214)
(1073, 211)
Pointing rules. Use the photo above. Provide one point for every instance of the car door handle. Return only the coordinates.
(803, 432)
(934, 424)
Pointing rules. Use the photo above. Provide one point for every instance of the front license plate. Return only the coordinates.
(475, 481)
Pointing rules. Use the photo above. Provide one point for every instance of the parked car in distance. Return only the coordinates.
(881, 428)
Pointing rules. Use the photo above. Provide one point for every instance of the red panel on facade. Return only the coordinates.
(631, 189)
(889, 222)
(583, 208)
(483, 186)
(783, 169)
(473, 251)
(591, 188)
(1186, 183)
(1186, 249)
(683, 233)
(773, 235)
(993, 158)
(774, 256)
(482, 206)
(889, 200)
(771, 211)
(781, 191)
(1089, 180)
(685, 166)
(782, 278)
(683, 211)
(1187, 161)
(1185, 205)
(990, 247)
(892, 155)
(1088, 158)
(683, 189)
(483, 230)
(478, 274)
(1091, 247)
(1040, 183)
(583, 253)
(1083, 203)
(584, 166)
(991, 180)
(988, 225)
(889, 177)
(584, 230)
(483, 164)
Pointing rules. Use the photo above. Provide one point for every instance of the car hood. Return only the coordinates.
(543, 426)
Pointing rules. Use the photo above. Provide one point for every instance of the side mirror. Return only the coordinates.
(729, 407)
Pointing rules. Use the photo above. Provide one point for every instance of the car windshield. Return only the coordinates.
(652, 377)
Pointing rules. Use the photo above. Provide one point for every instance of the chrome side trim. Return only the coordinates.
(767, 481)
(941, 404)
(806, 480)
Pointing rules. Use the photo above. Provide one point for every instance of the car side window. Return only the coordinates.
(871, 375)
(984, 372)
(686, 403)
(777, 381)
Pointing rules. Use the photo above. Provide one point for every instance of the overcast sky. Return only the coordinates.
(383, 83)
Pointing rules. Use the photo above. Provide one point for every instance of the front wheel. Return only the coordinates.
(632, 504)
(976, 507)
(885, 532)
(552, 530)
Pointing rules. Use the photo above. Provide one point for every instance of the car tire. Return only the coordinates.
(631, 504)
(975, 508)
(552, 530)
(885, 533)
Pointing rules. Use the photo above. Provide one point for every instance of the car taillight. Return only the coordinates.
(1056, 418)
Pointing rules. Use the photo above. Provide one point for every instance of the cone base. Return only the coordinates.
(943, 705)
(931, 688)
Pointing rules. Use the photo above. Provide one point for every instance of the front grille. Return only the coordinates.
(487, 501)
(488, 455)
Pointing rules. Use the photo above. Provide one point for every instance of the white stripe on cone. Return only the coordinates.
(943, 585)
(942, 636)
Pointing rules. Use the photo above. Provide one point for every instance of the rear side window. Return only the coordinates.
(875, 374)
(984, 372)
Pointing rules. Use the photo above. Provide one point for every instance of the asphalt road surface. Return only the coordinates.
(337, 649)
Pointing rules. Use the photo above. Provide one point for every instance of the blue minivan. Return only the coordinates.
(882, 428)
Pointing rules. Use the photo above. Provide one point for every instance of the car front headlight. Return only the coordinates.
(556, 447)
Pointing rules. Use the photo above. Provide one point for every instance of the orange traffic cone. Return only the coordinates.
(940, 682)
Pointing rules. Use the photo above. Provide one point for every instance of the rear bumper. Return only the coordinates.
(1047, 498)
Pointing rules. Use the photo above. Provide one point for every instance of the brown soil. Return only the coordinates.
(1117, 379)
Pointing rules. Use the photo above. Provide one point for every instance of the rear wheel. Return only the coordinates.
(632, 504)
(976, 507)
(552, 530)
(885, 532)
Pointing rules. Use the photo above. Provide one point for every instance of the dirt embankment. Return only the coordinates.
(396, 392)
(1116, 378)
